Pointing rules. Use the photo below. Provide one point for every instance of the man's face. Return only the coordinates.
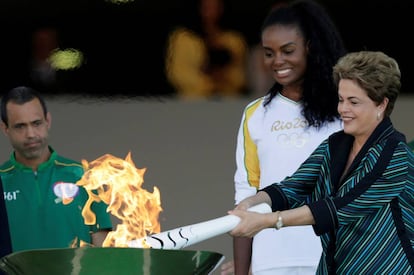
(28, 131)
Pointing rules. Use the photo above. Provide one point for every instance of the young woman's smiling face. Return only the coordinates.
(285, 53)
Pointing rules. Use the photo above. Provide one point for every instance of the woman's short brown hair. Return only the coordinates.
(375, 72)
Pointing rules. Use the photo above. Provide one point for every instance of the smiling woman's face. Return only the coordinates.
(285, 53)
(359, 113)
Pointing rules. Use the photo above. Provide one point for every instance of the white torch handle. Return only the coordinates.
(188, 235)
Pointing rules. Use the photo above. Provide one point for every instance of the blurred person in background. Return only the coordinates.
(280, 130)
(207, 60)
(43, 75)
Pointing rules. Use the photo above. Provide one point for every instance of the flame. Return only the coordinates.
(118, 183)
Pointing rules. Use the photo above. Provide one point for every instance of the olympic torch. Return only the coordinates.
(188, 235)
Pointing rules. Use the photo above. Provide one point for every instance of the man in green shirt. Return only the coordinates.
(44, 204)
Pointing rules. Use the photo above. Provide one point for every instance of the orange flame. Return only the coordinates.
(118, 183)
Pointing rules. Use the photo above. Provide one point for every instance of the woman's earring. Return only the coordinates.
(378, 116)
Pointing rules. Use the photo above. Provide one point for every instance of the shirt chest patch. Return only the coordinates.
(65, 192)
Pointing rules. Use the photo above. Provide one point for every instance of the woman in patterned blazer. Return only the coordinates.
(357, 188)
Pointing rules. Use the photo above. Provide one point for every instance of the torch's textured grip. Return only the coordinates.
(184, 236)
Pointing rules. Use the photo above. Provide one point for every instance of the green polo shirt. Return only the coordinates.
(44, 208)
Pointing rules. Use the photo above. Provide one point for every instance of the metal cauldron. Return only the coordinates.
(110, 261)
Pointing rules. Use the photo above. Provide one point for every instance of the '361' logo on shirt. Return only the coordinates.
(11, 195)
